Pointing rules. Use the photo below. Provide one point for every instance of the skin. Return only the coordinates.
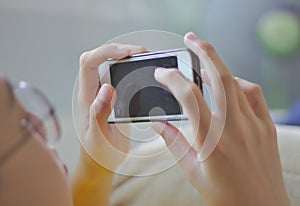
(244, 169)
(33, 165)
(91, 178)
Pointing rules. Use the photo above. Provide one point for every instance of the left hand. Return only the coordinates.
(107, 144)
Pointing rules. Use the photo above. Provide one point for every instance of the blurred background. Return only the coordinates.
(41, 41)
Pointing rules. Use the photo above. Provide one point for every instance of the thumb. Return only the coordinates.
(102, 105)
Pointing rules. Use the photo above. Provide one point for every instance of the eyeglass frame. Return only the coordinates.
(31, 129)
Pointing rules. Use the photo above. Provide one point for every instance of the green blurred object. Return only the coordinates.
(278, 32)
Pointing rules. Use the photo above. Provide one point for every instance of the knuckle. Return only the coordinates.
(138, 49)
(106, 47)
(112, 45)
(83, 58)
(208, 49)
(226, 78)
(92, 110)
(255, 90)
(98, 109)
(116, 46)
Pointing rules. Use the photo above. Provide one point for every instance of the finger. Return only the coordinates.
(219, 75)
(255, 97)
(189, 96)
(89, 62)
(102, 107)
(115, 135)
(242, 99)
(178, 146)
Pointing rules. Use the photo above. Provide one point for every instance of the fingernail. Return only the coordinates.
(191, 36)
(158, 126)
(105, 94)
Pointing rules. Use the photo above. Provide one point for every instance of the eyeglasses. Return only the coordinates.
(40, 117)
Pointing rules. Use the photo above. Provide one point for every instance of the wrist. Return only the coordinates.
(91, 183)
(90, 170)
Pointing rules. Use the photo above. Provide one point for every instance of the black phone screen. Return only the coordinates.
(138, 93)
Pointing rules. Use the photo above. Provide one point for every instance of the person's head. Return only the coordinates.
(30, 171)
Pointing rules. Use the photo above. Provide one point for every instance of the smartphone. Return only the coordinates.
(140, 98)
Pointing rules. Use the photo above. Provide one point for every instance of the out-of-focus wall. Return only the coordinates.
(232, 27)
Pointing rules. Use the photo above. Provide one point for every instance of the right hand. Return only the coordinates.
(244, 168)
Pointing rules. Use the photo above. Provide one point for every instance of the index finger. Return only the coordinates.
(189, 96)
(89, 63)
(219, 76)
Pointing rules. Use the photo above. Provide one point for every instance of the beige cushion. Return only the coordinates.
(289, 148)
(170, 187)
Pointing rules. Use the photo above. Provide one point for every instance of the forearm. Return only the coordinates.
(91, 183)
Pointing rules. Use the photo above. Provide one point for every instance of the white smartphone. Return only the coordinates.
(140, 98)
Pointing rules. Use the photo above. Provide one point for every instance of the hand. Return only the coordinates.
(103, 146)
(106, 143)
(244, 168)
